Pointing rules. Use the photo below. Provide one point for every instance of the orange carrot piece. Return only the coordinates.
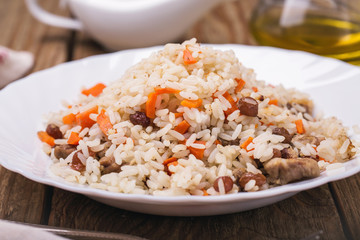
(245, 144)
(150, 105)
(175, 163)
(191, 103)
(159, 90)
(198, 153)
(205, 193)
(178, 114)
(69, 119)
(74, 138)
(230, 110)
(95, 90)
(217, 142)
(46, 138)
(151, 102)
(188, 58)
(240, 86)
(255, 89)
(83, 119)
(182, 127)
(323, 159)
(228, 97)
(273, 102)
(299, 126)
(233, 108)
(104, 122)
(170, 160)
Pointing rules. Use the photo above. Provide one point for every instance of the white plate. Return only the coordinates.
(332, 84)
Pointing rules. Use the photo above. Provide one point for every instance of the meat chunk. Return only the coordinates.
(288, 153)
(54, 131)
(62, 151)
(312, 140)
(140, 118)
(282, 132)
(109, 165)
(248, 106)
(282, 171)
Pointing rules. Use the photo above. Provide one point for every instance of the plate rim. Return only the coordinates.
(184, 200)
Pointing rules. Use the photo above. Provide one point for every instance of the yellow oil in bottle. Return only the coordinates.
(327, 36)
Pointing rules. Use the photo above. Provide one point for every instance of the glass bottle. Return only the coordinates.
(326, 27)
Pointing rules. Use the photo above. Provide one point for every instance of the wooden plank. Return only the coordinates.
(22, 199)
(48, 44)
(347, 194)
(295, 218)
(226, 23)
(84, 46)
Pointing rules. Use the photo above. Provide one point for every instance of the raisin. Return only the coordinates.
(248, 106)
(282, 132)
(228, 183)
(76, 163)
(54, 131)
(62, 151)
(140, 118)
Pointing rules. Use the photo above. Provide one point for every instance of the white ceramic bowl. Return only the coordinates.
(25, 101)
(120, 24)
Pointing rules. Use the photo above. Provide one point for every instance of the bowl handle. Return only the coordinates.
(52, 19)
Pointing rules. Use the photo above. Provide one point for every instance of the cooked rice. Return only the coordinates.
(141, 151)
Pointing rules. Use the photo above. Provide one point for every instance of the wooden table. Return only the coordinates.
(331, 208)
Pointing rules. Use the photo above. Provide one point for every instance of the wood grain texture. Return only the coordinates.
(24, 32)
(332, 210)
(346, 194)
(22, 199)
(293, 218)
(227, 23)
